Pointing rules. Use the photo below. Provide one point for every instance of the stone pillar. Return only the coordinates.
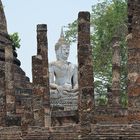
(85, 73)
(9, 86)
(133, 39)
(114, 99)
(41, 79)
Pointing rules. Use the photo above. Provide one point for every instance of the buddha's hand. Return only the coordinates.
(75, 89)
(67, 87)
(60, 89)
(54, 86)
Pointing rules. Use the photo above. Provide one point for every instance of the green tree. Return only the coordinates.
(15, 40)
(108, 19)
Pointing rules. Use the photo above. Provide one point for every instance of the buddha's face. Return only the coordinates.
(63, 52)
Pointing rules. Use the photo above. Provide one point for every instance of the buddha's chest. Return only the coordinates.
(63, 71)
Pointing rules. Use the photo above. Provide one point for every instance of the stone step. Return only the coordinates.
(17, 61)
(17, 69)
(54, 136)
(112, 137)
(21, 78)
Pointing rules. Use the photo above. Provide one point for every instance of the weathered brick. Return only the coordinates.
(41, 99)
(85, 75)
(133, 59)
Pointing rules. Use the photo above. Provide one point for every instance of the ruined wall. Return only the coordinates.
(12, 77)
(85, 129)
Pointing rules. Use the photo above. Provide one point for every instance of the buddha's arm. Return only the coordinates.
(53, 86)
(75, 79)
(51, 77)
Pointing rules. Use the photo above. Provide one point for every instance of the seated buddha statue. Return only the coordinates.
(63, 74)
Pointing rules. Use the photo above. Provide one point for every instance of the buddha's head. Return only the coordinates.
(62, 48)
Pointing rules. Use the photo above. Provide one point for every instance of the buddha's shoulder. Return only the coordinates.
(74, 66)
(55, 64)
(60, 64)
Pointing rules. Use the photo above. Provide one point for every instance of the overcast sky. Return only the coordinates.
(23, 16)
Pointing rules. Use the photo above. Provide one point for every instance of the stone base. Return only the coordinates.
(72, 132)
(110, 115)
(67, 104)
(64, 118)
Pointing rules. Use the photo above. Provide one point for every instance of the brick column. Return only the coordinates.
(134, 60)
(85, 73)
(41, 79)
(114, 99)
